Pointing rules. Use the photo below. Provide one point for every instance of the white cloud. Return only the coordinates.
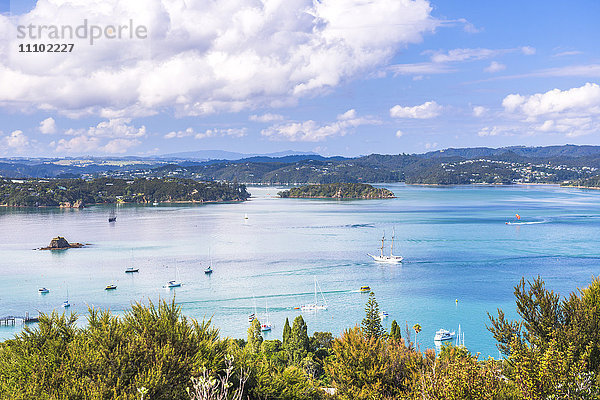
(399, 133)
(114, 136)
(568, 53)
(48, 126)
(584, 99)
(458, 55)
(78, 144)
(16, 141)
(430, 146)
(311, 131)
(495, 67)
(528, 50)
(426, 110)
(572, 112)
(204, 57)
(479, 111)
(233, 132)
(268, 117)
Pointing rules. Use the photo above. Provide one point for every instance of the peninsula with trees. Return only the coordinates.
(79, 192)
(338, 191)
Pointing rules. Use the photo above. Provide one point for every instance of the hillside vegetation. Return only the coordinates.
(338, 191)
(68, 192)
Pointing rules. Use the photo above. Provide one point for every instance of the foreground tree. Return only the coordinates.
(371, 324)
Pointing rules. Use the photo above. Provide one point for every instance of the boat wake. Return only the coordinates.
(526, 223)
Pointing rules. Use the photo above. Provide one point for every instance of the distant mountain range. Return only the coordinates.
(206, 155)
(549, 164)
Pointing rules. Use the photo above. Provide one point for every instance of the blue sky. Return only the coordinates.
(336, 77)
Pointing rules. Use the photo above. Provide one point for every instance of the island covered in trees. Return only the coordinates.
(338, 191)
(80, 192)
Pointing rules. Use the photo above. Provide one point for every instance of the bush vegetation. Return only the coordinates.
(154, 352)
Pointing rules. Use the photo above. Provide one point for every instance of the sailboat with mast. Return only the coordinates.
(267, 325)
(391, 259)
(316, 306)
(176, 282)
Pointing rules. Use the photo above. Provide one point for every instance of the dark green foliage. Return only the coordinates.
(287, 332)
(255, 338)
(151, 347)
(395, 331)
(371, 324)
(34, 193)
(338, 191)
(297, 344)
(554, 349)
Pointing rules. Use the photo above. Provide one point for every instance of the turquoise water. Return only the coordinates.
(454, 239)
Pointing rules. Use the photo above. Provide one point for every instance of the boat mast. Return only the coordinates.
(315, 290)
(392, 245)
(382, 240)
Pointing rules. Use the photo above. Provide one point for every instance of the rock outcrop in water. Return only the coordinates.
(60, 243)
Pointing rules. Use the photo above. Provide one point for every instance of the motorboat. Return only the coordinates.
(442, 335)
(110, 287)
(43, 290)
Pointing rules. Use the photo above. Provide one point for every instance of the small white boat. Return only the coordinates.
(66, 304)
(43, 290)
(251, 318)
(110, 287)
(442, 335)
(208, 270)
(391, 259)
(132, 269)
(245, 216)
(172, 284)
(383, 314)
(315, 306)
(267, 325)
(155, 203)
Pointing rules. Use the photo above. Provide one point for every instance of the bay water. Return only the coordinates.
(461, 258)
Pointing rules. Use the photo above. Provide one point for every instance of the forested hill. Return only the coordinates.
(551, 164)
(78, 192)
(338, 191)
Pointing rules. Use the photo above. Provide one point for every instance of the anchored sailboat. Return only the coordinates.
(315, 306)
(267, 325)
(391, 259)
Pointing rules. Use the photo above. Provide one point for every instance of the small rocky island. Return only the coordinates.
(60, 243)
(337, 191)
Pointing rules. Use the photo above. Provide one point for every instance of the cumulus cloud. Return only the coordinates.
(17, 141)
(573, 112)
(113, 136)
(204, 57)
(48, 126)
(495, 67)
(479, 111)
(311, 131)
(268, 117)
(233, 132)
(429, 109)
(399, 133)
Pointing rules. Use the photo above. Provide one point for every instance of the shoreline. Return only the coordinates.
(129, 202)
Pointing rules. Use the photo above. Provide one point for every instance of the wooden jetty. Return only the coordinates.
(12, 319)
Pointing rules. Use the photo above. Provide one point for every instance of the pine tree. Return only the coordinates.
(298, 340)
(371, 324)
(255, 338)
(287, 332)
(395, 331)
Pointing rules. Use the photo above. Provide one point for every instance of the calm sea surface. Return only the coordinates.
(454, 239)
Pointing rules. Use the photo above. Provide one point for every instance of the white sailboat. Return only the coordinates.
(391, 259)
(66, 303)
(315, 306)
(267, 325)
(174, 283)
